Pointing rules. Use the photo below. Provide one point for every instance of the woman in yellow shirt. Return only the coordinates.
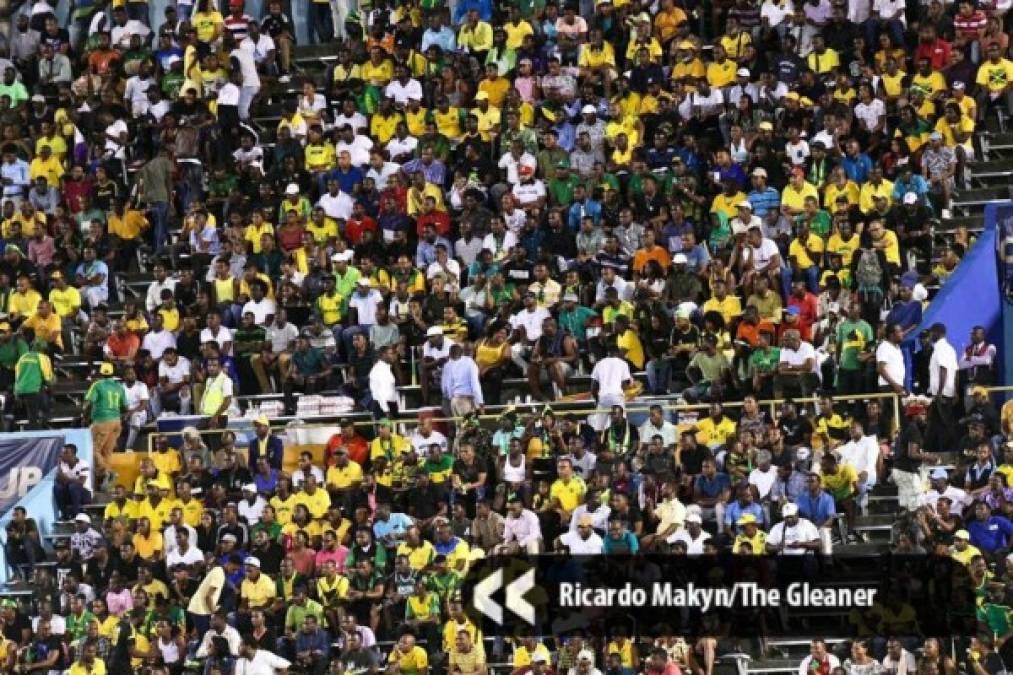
(208, 22)
(148, 542)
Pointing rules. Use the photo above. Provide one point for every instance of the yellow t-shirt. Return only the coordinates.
(319, 157)
(729, 308)
(835, 244)
(833, 191)
(840, 484)
(51, 170)
(721, 74)
(344, 478)
(933, 83)
(204, 23)
(569, 494)
(283, 508)
(415, 662)
(449, 123)
(713, 434)
(807, 254)
(995, 76)
(317, 503)
(516, 33)
(727, 205)
(146, 546)
(823, 63)
(865, 199)
(795, 199)
(420, 556)
(965, 125)
(595, 58)
(629, 341)
(258, 593)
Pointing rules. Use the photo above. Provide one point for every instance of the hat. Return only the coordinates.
(742, 72)
(363, 281)
(82, 518)
(802, 454)
(563, 164)
(229, 537)
(482, 96)
(525, 169)
(38, 98)
(760, 171)
(262, 421)
(250, 487)
(789, 509)
(792, 310)
(13, 248)
(687, 44)
(236, 3)
(694, 518)
(585, 521)
(792, 95)
(766, 126)
(910, 198)
(106, 369)
(680, 259)
(344, 256)
(746, 519)
(292, 189)
(744, 204)
(979, 391)
(935, 136)
(57, 274)
(434, 331)
(570, 297)
(585, 655)
(539, 657)
(588, 110)
(961, 534)
(938, 473)
(253, 561)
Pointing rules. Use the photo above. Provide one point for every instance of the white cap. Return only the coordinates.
(82, 518)
(802, 454)
(252, 561)
(292, 189)
(434, 331)
(585, 655)
(680, 259)
(742, 72)
(250, 487)
(744, 204)
(589, 110)
(343, 256)
(910, 198)
(230, 537)
(571, 297)
(789, 509)
(958, 85)
(694, 518)
(363, 281)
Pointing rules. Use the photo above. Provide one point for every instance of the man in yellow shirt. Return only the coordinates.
(794, 194)
(24, 301)
(47, 325)
(487, 115)
(475, 35)
(727, 202)
(822, 59)
(728, 306)
(597, 58)
(994, 80)
(495, 86)
(257, 589)
(840, 480)
(722, 71)
(876, 186)
(567, 491)
(46, 165)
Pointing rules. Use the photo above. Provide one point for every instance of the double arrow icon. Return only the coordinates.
(515, 602)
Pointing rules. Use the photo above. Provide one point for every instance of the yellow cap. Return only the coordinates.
(106, 369)
(793, 95)
(687, 44)
(262, 421)
(746, 519)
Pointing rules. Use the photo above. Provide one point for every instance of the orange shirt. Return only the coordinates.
(658, 254)
(123, 347)
(749, 333)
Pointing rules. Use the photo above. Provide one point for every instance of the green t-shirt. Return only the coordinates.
(819, 225)
(246, 338)
(31, 372)
(853, 337)
(11, 351)
(710, 367)
(295, 615)
(108, 399)
(561, 191)
(765, 362)
(439, 471)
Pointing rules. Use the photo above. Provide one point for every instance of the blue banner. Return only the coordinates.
(24, 463)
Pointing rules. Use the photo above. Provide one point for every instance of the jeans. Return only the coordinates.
(659, 374)
(323, 22)
(70, 497)
(160, 225)
(874, 26)
(811, 279)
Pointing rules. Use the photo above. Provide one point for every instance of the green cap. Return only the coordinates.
(563, 164)
(385, 423)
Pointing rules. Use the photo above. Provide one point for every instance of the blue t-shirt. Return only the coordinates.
(990, 535)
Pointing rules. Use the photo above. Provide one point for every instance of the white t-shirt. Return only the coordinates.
(531, 321)
(261, 310)
(175, 374)
(610, 373)
(247, 66)
(499, 248)
(260, 48)
(889, 354)
(281, 338)
(365, 306)
(228, 94)
(115, 129)
(763, 480)
(262, 663)
(803, 531)
(693, 546)
(251, 512)
(764, 253)
(157, 343)
(529, 193)
(862, 456)
(421, 443)
(386, 171)
(593, 545)
(436, 353)
(797, 152)
(402, 146)
(798, 357)
(402, 92)
(359, 149)
(192, 556)
(887, 8)
(943, 356)
(338, 206)
(871, 112)
(510, 163)
(222, 336)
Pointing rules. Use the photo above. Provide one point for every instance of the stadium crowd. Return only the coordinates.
(711, 203)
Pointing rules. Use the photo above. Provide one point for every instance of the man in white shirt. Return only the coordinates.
(336, 204)
(153, 298)
(173, 382)
(425, 436)
(609, 379)
(583, 540)
(403, 87)
(176, 526)
(939, 481)
(364, 301)
(943, 364)
(183, 551)
(73, 483)
(250, 83)
(527, 326)
(763, 476)
(380, 170)
(797, 369)
(692, 536)
(138, 405)
(657, 425)
(261, 306)
(862, 453)
(216, 332)
(251, 505)
(255, 661)
(382, 384)
(357, 146)
(158, 339)
(793, 535)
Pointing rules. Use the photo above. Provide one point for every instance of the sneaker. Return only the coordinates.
(285, 78)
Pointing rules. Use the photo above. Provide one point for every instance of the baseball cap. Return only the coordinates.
(694, 518)
(802, 454)
(292, 189)
(106, 369)
(250, 487)
(571, 297)
(961, 534)
(910, 198)
(935, 136)
(760, 171)
(792, 310)
(82, 518)
(938, 473)
(230, 537)
(262, 421)
(586, 521)
(746, 519)
(958, 86)
(686, 44)
(539, 657)
(434, 331)
(766, 126)
(363, 282)
(739, 228)
(744, 204)
(789, 509)
(680, 259)
(588, 110)
(5, 327)
(525, 170)
(253, 561)
(38, 98)
(585, 655)
(742, 72)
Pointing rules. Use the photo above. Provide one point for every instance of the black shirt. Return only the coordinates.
(902, 461)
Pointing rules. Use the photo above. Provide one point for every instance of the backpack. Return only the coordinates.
(869, 275)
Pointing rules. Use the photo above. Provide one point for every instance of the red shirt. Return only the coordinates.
(358, 449)
(938, 53)
(354, 229)
(438, 219)
(73, 189)
(290, 238)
